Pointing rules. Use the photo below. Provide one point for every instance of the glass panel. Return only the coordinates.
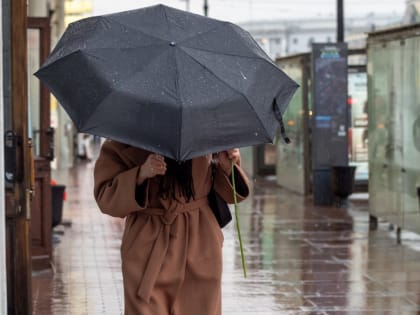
(385, 146)
(393, 148)
(34, 89)
(411, 130)
(378, 81)
(357, 85)
(290, 157)
(269, 155)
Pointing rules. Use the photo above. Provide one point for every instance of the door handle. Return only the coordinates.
(13, 157)
(30, 191)
(31, 165)
(51, 135)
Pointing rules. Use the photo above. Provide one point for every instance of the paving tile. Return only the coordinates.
(301, 259)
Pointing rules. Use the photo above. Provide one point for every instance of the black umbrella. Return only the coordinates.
(167, 81)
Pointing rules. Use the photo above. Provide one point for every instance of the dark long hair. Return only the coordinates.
(178, 174)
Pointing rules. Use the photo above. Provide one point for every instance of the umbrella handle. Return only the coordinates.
(238, 228)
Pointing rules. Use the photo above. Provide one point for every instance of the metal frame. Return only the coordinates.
(395, 33)
(3, 279)
(41, 201)
(43, 25)
(18, 240)
(394, 214)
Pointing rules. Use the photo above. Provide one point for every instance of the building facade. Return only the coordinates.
(412, 12)
(281, 38)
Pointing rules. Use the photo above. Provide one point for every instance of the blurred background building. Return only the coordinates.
(412, 13)
(285, 37)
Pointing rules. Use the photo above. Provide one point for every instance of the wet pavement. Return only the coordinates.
(301, 259)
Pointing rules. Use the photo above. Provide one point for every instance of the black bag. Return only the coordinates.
(219, 207)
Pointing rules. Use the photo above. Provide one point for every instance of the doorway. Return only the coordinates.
(42, 135)
(27, 151)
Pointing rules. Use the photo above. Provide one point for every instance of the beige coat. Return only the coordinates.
(171, 250)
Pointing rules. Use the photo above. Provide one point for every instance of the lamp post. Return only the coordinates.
(340, 21)
(206, 8)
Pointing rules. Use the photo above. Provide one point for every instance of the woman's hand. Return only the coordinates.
(225, 159)
(154, 165)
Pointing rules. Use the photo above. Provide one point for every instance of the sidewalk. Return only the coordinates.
(301, 259)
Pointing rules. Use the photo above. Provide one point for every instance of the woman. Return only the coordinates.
(172, 245)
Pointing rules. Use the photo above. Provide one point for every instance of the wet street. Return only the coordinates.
(301, 259)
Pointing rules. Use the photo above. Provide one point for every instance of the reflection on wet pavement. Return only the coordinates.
(301, 259)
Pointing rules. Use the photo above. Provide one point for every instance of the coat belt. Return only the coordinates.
(161, 244)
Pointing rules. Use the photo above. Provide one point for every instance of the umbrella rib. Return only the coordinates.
(96, 26)
(65, 38)
(181, 107)
(236, 55)
(91, 51)
(136, 29)
(86, 51)
(203, 33)
(221, 53)
(273, 65)
(236, 32)
(234, 89)
(58, 60)
(167, 21)
(236, 28)
(121, 83)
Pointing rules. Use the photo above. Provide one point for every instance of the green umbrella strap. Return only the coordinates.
(238, 228)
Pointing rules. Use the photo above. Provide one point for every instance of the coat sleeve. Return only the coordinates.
(223, 184)
(115, 188)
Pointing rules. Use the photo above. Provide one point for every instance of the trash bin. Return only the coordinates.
(322, 190)
(342, 181)
(57, 194)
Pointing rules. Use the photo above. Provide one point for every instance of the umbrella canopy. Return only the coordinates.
(167, 81)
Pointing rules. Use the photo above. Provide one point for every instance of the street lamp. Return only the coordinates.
(340, 21)
(206, 8)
